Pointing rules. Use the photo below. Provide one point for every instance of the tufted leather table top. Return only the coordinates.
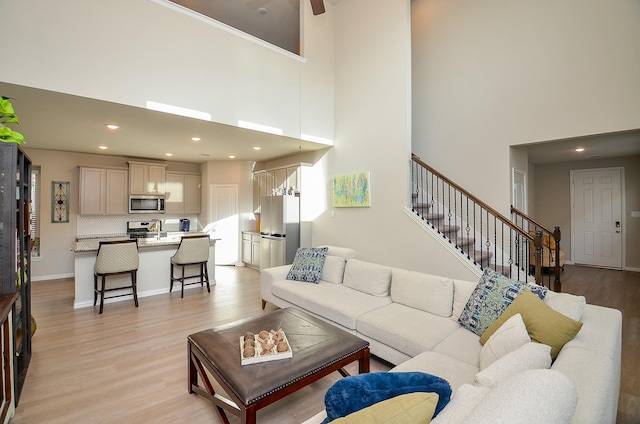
(316, 347)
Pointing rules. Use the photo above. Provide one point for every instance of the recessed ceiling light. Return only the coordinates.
(168, 154)
(257, 147)
(103, 147)
(580, 149)
(196, 139)
(232, 156)
(262, 10)
(112, 126)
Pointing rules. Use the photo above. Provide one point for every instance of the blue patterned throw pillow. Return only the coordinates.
(491, 297)
(307, 264)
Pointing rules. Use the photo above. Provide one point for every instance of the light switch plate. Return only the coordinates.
(635, 214)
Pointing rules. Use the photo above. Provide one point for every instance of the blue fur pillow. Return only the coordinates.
(357, 392)
(307, 264)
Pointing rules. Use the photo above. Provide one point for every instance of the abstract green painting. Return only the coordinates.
(352, 191)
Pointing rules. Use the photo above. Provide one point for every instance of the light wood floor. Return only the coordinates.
(129, 364)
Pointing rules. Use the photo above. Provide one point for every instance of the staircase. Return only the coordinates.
(481, 234)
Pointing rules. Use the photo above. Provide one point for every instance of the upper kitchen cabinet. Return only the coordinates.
(146, 178)
(182, 193)
(103, 191)
(281, 180)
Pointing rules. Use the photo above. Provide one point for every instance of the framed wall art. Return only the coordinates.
(352, 191)
(59, 201)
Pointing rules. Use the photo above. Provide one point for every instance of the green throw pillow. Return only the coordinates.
(544, 325)
(411, 408)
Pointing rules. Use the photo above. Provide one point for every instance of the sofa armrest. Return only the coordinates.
(269, 276)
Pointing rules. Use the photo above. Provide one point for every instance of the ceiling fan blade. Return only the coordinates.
(317, 6)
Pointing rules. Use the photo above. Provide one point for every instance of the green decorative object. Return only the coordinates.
(8, 116)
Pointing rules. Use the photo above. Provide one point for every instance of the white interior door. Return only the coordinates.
(519, 190)
(223, 212)
(596, 217)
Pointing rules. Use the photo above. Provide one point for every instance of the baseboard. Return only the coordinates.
(53, 277)
(632, 269)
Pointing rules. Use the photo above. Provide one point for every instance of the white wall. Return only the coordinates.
(490, 74)
(373, 120)
(131, 51)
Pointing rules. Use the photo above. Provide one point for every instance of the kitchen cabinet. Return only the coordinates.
(146, 178)
(103, 191)
(265, 182)
(182, 193)
(15, 261)
(251, 249)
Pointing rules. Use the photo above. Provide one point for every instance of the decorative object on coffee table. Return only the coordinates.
(318, 349)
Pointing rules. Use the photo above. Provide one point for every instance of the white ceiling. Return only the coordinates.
(50, 120)
(600, 146)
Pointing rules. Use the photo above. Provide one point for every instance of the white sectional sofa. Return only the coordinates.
(411, 321)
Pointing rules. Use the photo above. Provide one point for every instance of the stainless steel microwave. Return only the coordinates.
(146, 204)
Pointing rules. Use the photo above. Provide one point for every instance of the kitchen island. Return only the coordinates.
(153, 271)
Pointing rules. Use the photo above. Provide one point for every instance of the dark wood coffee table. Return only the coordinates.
(318, 349)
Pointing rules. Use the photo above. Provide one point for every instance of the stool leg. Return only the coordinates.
(171, 282)
(206, 275)
(201, 275)
(102, 293)
(134, 285)
(182, 282)
(95, 289)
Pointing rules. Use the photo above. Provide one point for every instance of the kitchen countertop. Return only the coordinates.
(172, 239)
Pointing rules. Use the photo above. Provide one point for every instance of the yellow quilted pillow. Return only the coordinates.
(411, 408)
(544, 325)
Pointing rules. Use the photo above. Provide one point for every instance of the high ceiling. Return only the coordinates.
(57, 121)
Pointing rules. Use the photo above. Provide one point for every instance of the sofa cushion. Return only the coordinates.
(544, 325)
(530, 397)
(567, 304)
(491, 297)
(509, 337)
(409, 330)
(307, 264)
(460, 406)
(367, 277)
(353, 393)
(343, 252)
(455, 372)
(527, 357)
(461, 293)
(462, 345)
(426, 292)
(335, 302)
(333, 269)
(412, 408)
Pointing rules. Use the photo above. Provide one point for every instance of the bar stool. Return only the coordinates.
(193, 250)
(114, 258)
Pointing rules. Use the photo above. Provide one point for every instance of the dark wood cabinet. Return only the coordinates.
(15, 252)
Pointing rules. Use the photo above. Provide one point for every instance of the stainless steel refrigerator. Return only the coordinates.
(279, 230)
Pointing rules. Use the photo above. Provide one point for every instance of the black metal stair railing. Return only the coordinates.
(479, 232)
(552, 257)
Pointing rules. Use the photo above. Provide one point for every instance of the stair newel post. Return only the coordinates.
(557, 286)
(537, 243)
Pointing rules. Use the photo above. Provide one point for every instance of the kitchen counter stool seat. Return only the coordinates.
(115, 258)
(193, 250)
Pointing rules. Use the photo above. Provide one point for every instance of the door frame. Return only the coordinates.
(623, 208)
(518, 176)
